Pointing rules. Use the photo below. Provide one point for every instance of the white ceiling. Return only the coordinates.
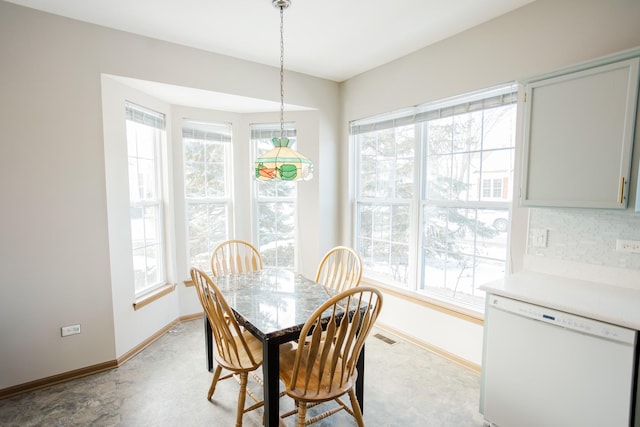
(331, 39)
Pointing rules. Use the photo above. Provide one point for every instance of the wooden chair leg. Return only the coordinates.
(216, 376)
(241, 397)
(302, 413)
(355, 406)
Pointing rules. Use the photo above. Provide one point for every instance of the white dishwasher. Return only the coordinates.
(543, 367)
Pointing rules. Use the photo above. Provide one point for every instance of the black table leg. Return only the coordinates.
(360, 380)
(271, 379)
(208, 343)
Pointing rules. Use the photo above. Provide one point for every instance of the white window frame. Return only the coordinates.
(411, 278)
(209, 133)
(261, 132)
(137, 115)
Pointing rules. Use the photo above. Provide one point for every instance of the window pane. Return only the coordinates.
(215, 152)
(145, 134)
(463, 249)
(383, 241)
(499, 127)
(207, 179)
(147, 179)
(194, 177)
(276, 231)
(216, 180)
(386, 162)
(467, 132)
(146, 147)
(276, 188)
(152, 262)
(467, 246)
(438, 177)
(497, 173)
(440, 136)
(200, 254)
(193, 150)
(152, 225)
(275, 202)
(139, 269)
(135, 191)
(207, 226)
(466, 175)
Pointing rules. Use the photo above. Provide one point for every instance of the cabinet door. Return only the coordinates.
(578, 137)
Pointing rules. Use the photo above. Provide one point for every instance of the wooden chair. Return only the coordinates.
(235, 350)
(340, 269)
(235, 256)
(323, 367)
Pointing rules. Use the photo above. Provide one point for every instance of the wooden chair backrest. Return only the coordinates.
(340, 269)
(235, 256)
(232, 350)
(328, 357)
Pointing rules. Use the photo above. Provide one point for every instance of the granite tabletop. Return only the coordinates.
(272, 302)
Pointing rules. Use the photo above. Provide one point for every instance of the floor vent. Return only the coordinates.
(385, 339)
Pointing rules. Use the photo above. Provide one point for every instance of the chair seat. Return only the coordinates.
(326, 387)
(244, 363)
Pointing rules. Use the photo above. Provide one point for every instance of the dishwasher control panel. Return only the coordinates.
(563, 319)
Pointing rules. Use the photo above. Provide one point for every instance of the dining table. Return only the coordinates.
(274, 304)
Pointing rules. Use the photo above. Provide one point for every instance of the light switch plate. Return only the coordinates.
(539, 237)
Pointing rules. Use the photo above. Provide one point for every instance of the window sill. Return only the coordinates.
(431, 303)
(156, 294)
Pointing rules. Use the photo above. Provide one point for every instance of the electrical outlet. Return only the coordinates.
(70, 330)
(632, 246)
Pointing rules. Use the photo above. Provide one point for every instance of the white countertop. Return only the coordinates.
(611, 304)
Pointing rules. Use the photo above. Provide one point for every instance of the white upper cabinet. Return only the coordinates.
(578, 137)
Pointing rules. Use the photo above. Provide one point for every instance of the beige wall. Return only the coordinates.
(541, 37)
(55, 262)
(58, 265)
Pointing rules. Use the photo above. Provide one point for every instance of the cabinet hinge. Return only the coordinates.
(525, 97)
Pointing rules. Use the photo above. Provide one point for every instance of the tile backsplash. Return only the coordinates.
(585, 235)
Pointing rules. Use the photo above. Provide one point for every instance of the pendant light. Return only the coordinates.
(282, 162)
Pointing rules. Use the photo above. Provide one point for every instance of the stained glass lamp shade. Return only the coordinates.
(283, 163)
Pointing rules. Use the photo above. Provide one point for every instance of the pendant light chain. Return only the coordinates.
(281, 72)
(282, 163)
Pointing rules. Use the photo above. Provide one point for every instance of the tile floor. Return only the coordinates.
(166, 385)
